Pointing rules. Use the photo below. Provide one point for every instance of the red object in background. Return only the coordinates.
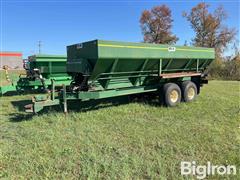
(10, 54)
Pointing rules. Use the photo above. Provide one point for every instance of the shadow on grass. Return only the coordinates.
(26, 92)
(18, 117)
(11, 93)
(78, 106)
(21, 116)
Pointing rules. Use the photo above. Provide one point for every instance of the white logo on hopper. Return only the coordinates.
(171, 49)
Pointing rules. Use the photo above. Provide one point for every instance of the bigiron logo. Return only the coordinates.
(202, 171)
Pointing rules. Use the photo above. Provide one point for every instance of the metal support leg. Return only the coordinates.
(188, 64)
(160, 67)
(197, 64)
(114, 65)
(53, 90)
(168, 64)
(141, 71)
(203, 65)
(64, 99)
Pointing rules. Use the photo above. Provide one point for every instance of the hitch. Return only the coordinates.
(41, 101)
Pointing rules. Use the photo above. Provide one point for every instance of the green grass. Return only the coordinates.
(135, 140)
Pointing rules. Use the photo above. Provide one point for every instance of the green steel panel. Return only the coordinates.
(127, 50)
(82, 57)
(8, 88)
(44, 101)
(47, 58)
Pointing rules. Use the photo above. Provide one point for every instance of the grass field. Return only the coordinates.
(135, 140)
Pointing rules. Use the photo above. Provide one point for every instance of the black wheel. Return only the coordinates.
(172, 94)
(189, 91)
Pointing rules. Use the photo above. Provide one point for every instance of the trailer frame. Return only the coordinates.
(57, 98)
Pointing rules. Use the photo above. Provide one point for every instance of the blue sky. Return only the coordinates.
(61, 23)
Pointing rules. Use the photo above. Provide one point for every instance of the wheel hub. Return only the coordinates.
(174, 96)
(191, 93)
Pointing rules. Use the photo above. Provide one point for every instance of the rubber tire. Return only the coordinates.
(185, 86)
(167, 88)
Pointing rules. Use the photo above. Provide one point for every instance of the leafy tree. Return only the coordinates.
(227, 68)
(156, 25)
(209, 28)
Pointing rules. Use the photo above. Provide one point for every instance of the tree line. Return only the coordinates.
(209, 29)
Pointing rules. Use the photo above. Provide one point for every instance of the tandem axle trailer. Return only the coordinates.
(103, 69)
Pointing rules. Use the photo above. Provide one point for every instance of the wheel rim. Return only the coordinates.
(191, 93)
(174, 96)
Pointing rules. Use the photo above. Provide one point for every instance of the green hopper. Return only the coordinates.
(40, 70)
